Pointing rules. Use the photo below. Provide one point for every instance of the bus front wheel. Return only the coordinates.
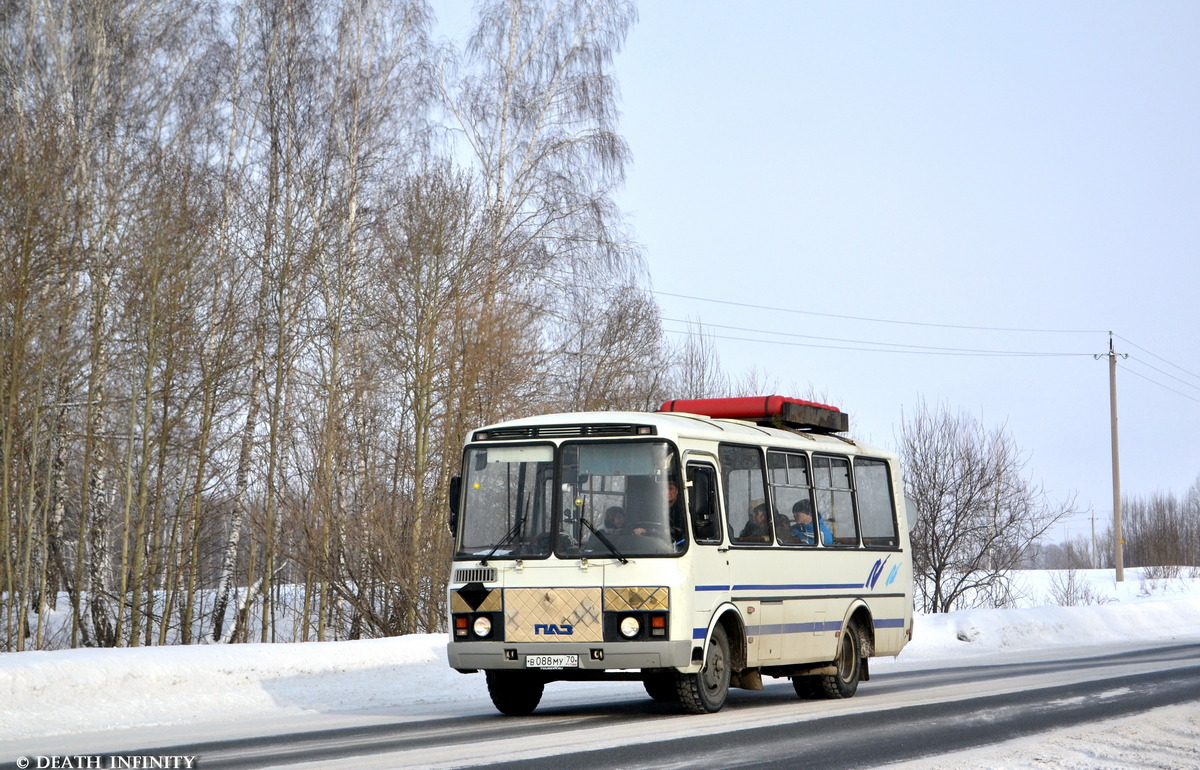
(514, 693)
(661, 687)
(705, 691)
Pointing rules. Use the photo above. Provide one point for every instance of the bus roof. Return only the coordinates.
(671, 425)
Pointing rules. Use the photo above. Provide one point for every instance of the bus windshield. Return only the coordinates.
(507, 507)
(614, 499)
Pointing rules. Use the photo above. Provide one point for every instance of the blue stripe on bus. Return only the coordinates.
(796, 628)
(802, 628)
(781, 587)
(794, 586)
(890, 623)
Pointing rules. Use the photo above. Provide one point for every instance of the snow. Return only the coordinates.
(88, 701)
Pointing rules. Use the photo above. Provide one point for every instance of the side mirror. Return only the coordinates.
(702, 494)
(455, 496)
(701, 502)
(910, 512)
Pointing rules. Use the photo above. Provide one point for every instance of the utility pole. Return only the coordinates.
(1094, 560)
(1118, 536)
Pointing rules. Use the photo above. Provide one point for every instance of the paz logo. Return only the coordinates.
(551, 629)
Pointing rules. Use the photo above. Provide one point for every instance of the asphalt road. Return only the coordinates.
(894, 717)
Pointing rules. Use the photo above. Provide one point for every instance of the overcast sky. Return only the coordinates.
(1006, 176)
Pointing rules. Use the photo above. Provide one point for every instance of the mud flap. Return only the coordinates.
(749, 679)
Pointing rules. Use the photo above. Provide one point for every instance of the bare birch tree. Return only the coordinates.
(616, 356)
(697, 366)
(535, 103)
(979, 515)
(1162, 529)
(378, 94)
(250, 317)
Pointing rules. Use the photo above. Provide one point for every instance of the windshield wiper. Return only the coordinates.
(604, 539)
(516, 527)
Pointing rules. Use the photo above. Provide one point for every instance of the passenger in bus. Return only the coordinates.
(783, 528)
(758, 527)
(802, 527)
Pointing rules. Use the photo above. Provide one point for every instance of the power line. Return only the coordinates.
(1166, 374)
(878, 320)
(886, 347)
(879, 347)
(1159, 384)
(873, 346)
(1160, 358)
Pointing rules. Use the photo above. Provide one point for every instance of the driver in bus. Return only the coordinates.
(675, 512)
(675, 517)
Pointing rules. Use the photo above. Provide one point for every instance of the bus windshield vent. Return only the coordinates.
(564, 431)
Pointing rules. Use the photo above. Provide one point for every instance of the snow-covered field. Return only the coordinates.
(91, 701)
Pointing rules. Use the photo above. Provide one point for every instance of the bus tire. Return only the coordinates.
(808, 687)
(848, 662)
(705, 691)
(515, 693)
(661, 687)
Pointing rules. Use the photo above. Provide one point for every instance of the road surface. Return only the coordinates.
(898, 716)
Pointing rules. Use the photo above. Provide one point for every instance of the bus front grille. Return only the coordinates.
(475, 575)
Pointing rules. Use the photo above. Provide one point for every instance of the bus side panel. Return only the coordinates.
(795, 601)
(893, 608)
(709, 580)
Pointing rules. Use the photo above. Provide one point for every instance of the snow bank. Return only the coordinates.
(43, 693)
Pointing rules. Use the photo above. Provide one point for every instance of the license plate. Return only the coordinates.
(551, 661)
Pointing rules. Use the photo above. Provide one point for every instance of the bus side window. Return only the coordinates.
(742, 471)
(876, 512)
(790, 488)
(835, 497)
(702, 503)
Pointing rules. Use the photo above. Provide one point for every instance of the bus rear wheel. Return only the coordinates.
(705, 691)
(848, 663)
(808, 687)
(515, 693)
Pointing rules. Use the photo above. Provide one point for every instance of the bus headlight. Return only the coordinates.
(630, 627)
(483, 626)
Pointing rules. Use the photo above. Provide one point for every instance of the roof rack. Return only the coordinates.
(774, 411)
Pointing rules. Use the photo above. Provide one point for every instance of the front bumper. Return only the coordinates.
(598, 656)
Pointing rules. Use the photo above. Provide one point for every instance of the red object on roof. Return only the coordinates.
(792, 412)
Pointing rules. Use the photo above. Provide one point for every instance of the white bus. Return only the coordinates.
(579, 555)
